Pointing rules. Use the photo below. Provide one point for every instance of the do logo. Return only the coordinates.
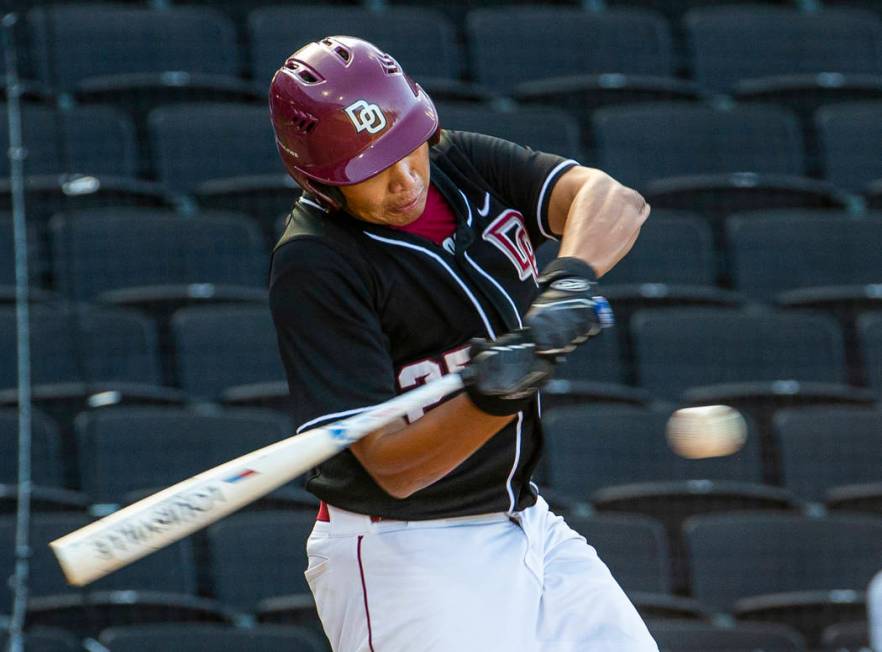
(366, 117)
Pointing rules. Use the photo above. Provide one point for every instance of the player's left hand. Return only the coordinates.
(567, 312)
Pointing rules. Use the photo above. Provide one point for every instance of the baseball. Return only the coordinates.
(707, 431)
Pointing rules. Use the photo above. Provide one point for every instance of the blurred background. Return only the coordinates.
(141, 197)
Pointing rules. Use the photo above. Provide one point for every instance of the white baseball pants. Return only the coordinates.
(486, 583)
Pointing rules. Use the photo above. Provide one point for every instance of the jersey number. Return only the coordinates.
(423, 371)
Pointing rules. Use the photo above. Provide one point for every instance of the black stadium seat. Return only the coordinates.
(709, 160)
(259, 555)
(543, 128)
(123, 450)
(77, 42)
(101, 251)
(46, 639)
(80, 355)
(598, 58)
(824, 448)
(509, 44)
(634, 547)
(423, 41)
(200, 638)
(194, 143)
(96, 140)
(775, 251)
(851, 139)
(690, 636)
(805, 572)
(220, 347)
(870, 330)
(679, 349)
(737, 43)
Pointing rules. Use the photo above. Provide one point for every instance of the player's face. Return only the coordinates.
(396, 196)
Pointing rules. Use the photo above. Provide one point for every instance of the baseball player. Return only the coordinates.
(408, 243)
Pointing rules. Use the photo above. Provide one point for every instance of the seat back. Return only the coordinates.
(73, 42)
(740, 555)
(192, 143)
(775, 251)
(824, 447)
(655, 140)
(676, 349)
(510, 45)
(851, 143)
(734, 43)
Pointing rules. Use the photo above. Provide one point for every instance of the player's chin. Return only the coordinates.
(401, 216)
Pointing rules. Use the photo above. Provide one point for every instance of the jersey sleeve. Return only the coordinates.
(335, 354)
(521, 177)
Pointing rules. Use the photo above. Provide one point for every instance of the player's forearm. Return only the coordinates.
(406, 458)
(603, 221)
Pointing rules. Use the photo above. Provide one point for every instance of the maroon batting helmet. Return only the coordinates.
(343, 111)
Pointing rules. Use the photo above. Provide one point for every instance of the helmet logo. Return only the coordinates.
(366, 117)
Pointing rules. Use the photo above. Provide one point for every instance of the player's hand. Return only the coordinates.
(503, 376)
(567, 312)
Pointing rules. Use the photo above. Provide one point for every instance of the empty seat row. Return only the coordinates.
(825, 453)
(213, 348)
(254, 559)
(728, 43)
(192, 143)
(765, 253)
(821, 449)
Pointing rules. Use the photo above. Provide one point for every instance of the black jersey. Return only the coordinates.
(364, 312)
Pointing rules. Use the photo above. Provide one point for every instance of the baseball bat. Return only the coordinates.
(143, 527)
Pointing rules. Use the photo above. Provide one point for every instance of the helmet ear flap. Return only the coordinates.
(329, 196)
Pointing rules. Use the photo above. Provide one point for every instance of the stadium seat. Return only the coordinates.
(83, 356)
(46, 195)
(677, 349)
(823, 261)
(422, 40)
(94, 140)
(159, 587)
(36, 262)
(634, 547)
(199, 638)
(847, 637)
(755, 360)
(870, 333)
(221, 347)
(45, 639)
(775, 251)
(824, 448)
(145, 58)
(545, 129)
(851, 140)
(689, 636)
(804, 572)
(76, 42)
(708, 160)
(617, 458)
(259, 555)
(158, 261)
(265, 197)
(599, 58)
(128, 449)
(736, 43)
(48, 473)
(187, 139)
(784, 56)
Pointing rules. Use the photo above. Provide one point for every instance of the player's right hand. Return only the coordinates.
(503, 376)
(567, 312)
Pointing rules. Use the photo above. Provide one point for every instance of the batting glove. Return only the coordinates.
(566, 312)
(504, 375)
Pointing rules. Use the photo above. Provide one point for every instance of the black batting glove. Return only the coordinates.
(503, 376)
(566, 312)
